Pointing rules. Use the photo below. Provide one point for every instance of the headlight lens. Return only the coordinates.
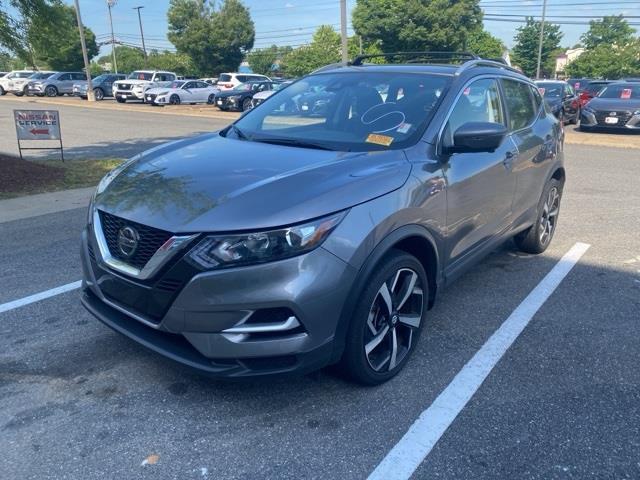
(162, 93)
(220, 251)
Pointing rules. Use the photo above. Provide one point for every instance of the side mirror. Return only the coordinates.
(478, 137)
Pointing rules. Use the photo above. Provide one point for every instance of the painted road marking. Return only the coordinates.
(407, 455)
(36, 297)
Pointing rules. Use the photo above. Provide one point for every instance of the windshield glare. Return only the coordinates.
(349, 111)
(625, 91)
(177, 84)
(140, 76)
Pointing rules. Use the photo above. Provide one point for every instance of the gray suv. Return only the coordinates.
(59, 83)
(287, 242)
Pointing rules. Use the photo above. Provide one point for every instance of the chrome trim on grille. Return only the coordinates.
(162, 255)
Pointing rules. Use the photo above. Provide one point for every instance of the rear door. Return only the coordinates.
(480, 186)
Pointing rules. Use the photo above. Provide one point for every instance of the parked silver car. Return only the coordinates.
(102, 85)
(58, 84)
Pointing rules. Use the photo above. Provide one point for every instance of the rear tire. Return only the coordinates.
(387, 320)
(538, 237)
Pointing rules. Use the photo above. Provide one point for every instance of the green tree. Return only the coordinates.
(525, 51)
(485, 45)
(216, 40)
(605, 61)
(262, 60)
(417, 25)
(324, 49)
(56, 41)
(611, 30)
(173, 62)
(129, 59)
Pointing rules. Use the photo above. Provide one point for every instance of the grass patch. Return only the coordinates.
(28, 177)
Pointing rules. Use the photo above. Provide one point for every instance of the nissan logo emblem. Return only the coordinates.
(127, 241)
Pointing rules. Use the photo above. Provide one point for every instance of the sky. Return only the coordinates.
(292, 22)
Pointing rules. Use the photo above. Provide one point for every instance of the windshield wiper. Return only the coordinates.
(292, 142)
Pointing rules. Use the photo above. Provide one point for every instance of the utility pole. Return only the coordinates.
(544, 12)
(343, 30)
(144, 49)
(110, 4)
(87, 69)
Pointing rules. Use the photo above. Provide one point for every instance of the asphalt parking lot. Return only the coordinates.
(80, 401)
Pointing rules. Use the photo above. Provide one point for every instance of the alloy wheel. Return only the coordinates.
(394, 316)
(98, 94)
(51, 91)
(549, 216)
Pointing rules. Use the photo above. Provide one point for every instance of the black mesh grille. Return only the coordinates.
(151, 97)
(150, 239)
(623, 118)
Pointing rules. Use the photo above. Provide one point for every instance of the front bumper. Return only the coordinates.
(227, 103)
(129, 94)
(311, 287)
(598, 120)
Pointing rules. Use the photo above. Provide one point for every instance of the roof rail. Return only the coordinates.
(480, 62)
(328, 67)
(444, 57)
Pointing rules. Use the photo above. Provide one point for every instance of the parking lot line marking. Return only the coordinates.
(36, 297)
(407, 455)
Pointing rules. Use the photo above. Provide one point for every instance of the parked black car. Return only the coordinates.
(617, 107)
(239, 98)
(562, 100)
(287, 244)
(578, 83)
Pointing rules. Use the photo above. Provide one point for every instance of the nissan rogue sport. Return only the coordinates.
(288, 241)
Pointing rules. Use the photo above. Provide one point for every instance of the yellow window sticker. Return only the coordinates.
(379, 139)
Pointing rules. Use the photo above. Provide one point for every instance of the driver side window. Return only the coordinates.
(479, 102)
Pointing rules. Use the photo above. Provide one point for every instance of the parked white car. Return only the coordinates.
(20, 86)
(227, 81)
(260, 97)
(6, 82)
(138, 82)
(182, 91)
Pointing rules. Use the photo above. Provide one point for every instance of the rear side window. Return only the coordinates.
(242, 78)
(519, 98)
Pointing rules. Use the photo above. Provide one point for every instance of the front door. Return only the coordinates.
(480, 186)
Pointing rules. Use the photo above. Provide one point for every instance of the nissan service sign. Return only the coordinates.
(37, 124)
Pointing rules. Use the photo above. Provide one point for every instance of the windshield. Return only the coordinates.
(347, 111)
(177, 84)
(551, 90)
(140, 76)
(100, 78)
(594, 88)
(243, 87)
(623, 91)
(40, 75)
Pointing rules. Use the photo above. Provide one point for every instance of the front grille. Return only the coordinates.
(623, 117)
(150, 239)
(124, 86)
(151, 97)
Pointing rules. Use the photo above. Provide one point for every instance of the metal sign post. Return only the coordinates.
(38, 125)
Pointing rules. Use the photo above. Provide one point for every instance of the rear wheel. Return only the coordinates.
(174, 100)
(537, 238)
(387, 320)
(51, 91)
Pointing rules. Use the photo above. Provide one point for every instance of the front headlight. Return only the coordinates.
(637, 112)
(220, 251)
(163, 93)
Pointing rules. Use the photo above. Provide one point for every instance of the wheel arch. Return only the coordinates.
(413, 239)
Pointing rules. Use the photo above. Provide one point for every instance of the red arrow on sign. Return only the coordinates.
(39, 132)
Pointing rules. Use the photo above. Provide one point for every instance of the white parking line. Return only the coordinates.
(36, 297)
(407, 455)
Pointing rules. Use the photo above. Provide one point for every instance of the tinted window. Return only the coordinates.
(225, 77)
(623, 91)
(479, 102)
(519, 101)
(190, 85)
(349, 111)
(64, 76)
(242, 78)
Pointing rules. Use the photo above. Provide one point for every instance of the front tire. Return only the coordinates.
(174, 100)
(121, 100)
(211, 99)
(538, 237)
(51, 91)
(387, 320)
(98, 94)
(246, 104)
(2, 91)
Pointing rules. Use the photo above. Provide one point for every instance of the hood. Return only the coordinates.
(614, 104)
(134, 82)
(214, 184)
(157, 90)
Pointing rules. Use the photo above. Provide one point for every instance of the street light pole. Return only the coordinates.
(144, 49)
(83, 43)
(110, 4)
(343, 30)
(544, 12)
